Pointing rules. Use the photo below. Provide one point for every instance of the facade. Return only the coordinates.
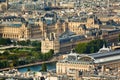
(62, 43)
(74, 63)
(3, 5)
(67, 4)
(34, 31)
(16, 28)
(16, 31)
(103, 63)
(67, 34)
(20, 31)
(49, 43)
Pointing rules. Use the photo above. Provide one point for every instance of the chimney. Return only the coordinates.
(50, 36)
(54, 36)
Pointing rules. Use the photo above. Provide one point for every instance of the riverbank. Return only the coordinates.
(28, 65)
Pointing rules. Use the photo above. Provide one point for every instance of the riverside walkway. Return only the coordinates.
(32, 64)
(12, 46)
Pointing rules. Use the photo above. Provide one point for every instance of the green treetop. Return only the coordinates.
(44, 67)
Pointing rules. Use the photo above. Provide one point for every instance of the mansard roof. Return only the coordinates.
(69, 36)
(2, 1)
(78, 59)
(92, 58)
(73, 38)
(104, 55)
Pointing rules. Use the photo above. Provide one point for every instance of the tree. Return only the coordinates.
(5, 41)
(6, 53)
(12, 57)
(119, 37)
(2, 79)
(11, 65)
(94, 45)
(28, 69)
(15, 62)
(28, 42)
(44, 67)
(23, 43)
(81, 48)
(37, 45)
(50, 53)
(90, 47)
(4, 64)
(8, 41)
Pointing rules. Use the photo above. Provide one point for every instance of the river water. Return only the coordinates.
(50, 66)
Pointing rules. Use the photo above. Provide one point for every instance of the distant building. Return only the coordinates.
(65, 34)
(50, 18)
(3, 5)
(18, 29)
(15, 31)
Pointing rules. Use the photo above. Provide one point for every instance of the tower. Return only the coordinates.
(50, 42)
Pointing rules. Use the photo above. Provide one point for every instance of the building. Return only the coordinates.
(49, 43)
(103, 63)
(15, 31)
(62, 43)
(50, 18)
(3, 5)
(66, 34)
(74, 64)
(18, 29)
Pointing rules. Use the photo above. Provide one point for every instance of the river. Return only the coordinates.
(50, 66)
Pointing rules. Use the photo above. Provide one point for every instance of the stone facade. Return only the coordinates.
(21, 31)
(50, 43)
(105, 63)
(14, 32)
(73, 64)
(3, 5)
(59, 28)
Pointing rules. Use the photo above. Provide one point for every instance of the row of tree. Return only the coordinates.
(23, 58)
(5, 41)
(36, 44)
(90, 47)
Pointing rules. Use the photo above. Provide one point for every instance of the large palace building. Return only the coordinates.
(103, 63)
(17, 29)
